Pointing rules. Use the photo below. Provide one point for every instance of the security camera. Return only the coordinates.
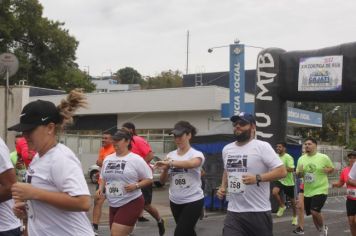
(210, 50)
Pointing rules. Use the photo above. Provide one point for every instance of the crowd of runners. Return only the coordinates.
(43, 190)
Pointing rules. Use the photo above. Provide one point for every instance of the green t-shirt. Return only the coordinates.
(315, 179)
(288, 162)
(20, 172)
(13, 157)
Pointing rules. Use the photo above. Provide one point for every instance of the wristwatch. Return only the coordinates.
(258, 180)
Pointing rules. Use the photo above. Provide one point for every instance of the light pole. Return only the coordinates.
(237, 78)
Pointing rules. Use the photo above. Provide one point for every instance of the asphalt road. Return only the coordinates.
(334, 212)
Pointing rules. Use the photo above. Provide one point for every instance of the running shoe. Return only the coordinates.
(142, 219)
(281, 210)
(324, 231)
(96, 232)
(161, 227)
(298, 230)
(294, 220)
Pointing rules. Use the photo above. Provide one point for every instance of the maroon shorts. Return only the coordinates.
(127, 214)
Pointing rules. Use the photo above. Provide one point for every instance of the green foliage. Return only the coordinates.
(166, 79)
(334, 117)
(45, 49)
(129, 75)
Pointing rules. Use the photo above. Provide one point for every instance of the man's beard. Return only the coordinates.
(243, 136)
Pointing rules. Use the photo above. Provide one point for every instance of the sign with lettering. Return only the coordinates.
(237, 79)
(320, 73)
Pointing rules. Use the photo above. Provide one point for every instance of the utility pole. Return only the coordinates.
(347, 123)
(187, 66)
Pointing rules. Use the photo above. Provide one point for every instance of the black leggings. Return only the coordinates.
(186, 216)
(13, 232)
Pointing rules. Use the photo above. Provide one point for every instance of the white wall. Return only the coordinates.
(18, 97)
(155, 100)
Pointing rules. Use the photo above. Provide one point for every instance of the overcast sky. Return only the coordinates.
(151, 35)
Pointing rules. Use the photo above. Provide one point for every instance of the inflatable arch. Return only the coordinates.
(323, 75)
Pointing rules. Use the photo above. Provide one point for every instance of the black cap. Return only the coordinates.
(179, 130)
(121, 134)
(244, 116)
(35, 114)
(353, 153)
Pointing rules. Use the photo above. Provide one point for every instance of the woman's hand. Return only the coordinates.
(162, 164)
(19, 210)
(131, 187)
(99, 194)
(23, 191)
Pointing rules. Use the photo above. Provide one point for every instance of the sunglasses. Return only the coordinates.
(241, 123)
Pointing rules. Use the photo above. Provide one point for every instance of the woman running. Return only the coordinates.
(183, 166)
(55, 197)
(123, 175)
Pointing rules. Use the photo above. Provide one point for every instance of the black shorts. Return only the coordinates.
(351, 207)
(314, 203)
(13, 232)
(248, 223)
(288, 190)
(147, 194)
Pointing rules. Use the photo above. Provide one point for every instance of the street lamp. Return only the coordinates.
(210, 50)
(237, 78)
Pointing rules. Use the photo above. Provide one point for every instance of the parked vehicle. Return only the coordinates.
(93, 172)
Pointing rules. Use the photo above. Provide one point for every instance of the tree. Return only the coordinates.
(129, 75)
(45, 50)
(167, 79)
(333, 130)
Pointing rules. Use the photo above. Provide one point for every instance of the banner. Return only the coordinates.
(237, 79)
(320, 73)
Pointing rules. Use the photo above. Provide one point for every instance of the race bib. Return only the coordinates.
(309, 178)
(351, 192)
(115, 189)
(181, 181)
(235, 184)
(21, 176)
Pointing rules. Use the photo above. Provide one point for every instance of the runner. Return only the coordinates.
(123, 175)
(18, 162)
(142, 148)
(286, 184)
(9, 224)
(183, 166)
(249, 165)
(106, 149)
(351, 192)
(56, 195)
(314, 168)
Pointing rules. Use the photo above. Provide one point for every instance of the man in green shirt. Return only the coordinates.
(286, 184)
(314, 167)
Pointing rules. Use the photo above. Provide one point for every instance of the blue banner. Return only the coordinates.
(237, 79)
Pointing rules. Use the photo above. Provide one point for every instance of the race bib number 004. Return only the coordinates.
(115, 189)
(235, 184)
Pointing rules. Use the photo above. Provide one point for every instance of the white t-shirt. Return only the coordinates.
(59, 170)
(352, 173)
(185, 184)
(255, 157)
(117, 172)
(8, 220)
